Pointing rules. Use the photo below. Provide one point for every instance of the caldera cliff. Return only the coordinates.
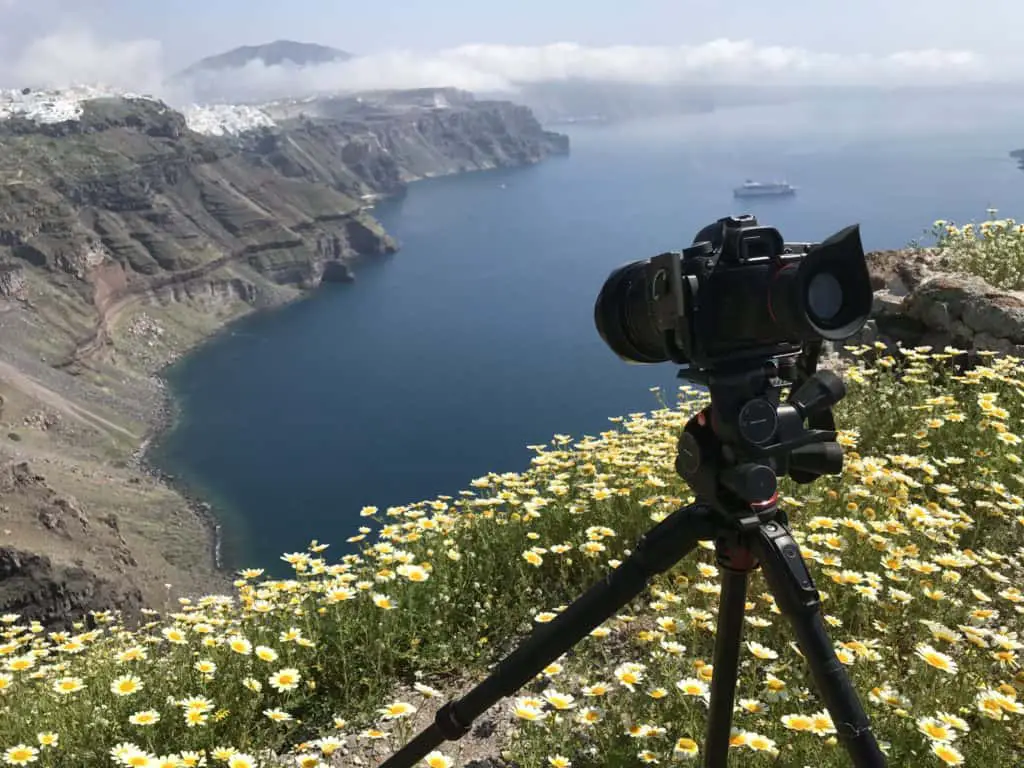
(129, 232)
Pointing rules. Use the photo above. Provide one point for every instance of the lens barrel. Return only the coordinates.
(623, 316)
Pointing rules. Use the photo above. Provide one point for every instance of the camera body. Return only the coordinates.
(706, 299)
(739, 295)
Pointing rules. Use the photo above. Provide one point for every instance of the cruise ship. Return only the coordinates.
(764, 189)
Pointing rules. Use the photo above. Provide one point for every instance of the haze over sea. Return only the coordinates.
(443, 362)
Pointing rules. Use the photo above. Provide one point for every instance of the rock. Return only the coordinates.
(886, 303)
(69, 508)
(21, 474)
(900, 271)
(961, 333)
(336, 272)
(57, 596)
(1001, 315)
(52, 520)
(917, 304)
(12, 281)
(985, 340)
(42, 420)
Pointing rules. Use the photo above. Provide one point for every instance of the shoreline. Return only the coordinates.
(167, 411)
(167, 415)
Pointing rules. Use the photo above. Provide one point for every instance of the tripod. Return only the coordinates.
(731, 455)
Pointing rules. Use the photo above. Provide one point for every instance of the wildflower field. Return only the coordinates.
(917, 548)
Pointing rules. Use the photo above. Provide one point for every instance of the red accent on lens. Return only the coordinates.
(765, 504)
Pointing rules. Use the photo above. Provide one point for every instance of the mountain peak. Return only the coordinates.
(271, 54)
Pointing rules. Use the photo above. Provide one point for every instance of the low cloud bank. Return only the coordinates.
(78, 56)
(497, 68)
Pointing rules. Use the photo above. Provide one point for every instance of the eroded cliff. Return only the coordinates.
(126, 237)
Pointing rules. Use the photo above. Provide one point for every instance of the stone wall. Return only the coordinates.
(917, 303)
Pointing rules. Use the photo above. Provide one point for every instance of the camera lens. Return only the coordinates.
(622, 314)
(824, 297)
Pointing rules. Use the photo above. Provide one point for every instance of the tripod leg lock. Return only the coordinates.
(449, 724)
(798, 595)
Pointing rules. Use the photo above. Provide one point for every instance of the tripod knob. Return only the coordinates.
(688, 455)
(820, 392)
(809, 462)
(758, 421)
(754, 483)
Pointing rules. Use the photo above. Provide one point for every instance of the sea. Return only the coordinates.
(443, 362)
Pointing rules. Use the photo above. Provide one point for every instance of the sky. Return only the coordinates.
(476, 44)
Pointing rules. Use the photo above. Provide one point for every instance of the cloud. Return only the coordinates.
(79, 56)
(721, 60)
(506, 68)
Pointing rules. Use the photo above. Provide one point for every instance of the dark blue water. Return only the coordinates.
(444, 361)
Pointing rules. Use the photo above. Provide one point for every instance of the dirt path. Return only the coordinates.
(34, 389)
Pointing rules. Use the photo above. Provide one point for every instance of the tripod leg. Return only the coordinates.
(735, 563)
(790, 581)
(658, 550)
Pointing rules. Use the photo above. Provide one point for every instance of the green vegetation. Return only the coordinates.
(992, 250)
(916, 547)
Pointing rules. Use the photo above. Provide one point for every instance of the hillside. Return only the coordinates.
(126, 237)
(287, 52)
(254, 73)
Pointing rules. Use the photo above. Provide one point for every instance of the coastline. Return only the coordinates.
(97, 306)
(167, 415)
(167, 410)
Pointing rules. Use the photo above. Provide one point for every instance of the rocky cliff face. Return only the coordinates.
(126, 237)
(129, 188)
(388, 138)
(129, 185)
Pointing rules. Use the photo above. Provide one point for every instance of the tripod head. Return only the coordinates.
(733, 452)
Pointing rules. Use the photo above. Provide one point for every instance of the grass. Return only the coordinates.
(916, 547)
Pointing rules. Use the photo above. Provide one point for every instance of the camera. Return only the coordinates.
(739, 295)
(747, 314)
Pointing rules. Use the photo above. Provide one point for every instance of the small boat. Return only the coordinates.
(764, 189)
